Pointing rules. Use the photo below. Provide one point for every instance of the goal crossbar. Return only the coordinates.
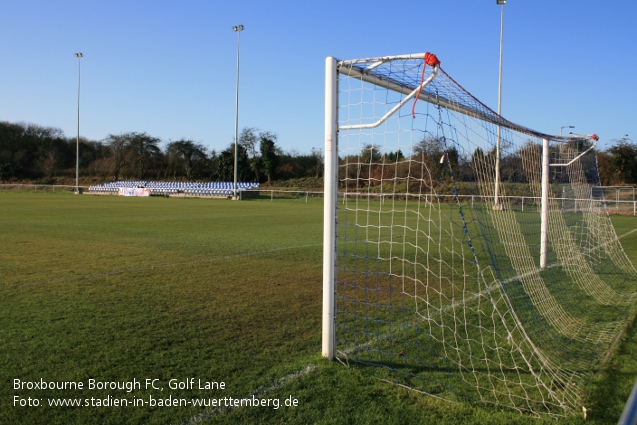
(368, 74)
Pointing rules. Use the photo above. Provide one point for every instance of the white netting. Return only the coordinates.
(438, 289)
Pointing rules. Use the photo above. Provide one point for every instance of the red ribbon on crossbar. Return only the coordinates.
(431, 60)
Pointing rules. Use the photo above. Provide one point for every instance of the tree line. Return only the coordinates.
(618, 163)
(33, 152)
(434, 162)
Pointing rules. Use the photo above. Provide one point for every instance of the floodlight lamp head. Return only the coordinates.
(501, 1)
(237, 28)
(79, 55)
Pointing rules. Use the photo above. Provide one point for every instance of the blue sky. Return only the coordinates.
(168, 68)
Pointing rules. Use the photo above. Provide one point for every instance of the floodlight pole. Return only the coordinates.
(237, 29)
(565, 126)
(79, 56)
(496, 201)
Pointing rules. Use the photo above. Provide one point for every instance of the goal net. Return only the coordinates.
(465, 256)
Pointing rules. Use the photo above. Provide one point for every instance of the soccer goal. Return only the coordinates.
(465, 256)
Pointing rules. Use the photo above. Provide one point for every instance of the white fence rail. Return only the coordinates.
(40, 187)
(617, 199)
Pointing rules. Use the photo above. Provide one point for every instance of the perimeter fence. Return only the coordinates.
(27, 187)
(617, 199)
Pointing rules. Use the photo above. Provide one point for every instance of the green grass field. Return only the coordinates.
(122, 289)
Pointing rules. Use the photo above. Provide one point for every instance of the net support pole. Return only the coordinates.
(329, 209)
(544, 219)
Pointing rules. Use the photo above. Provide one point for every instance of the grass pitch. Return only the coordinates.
(125, 289)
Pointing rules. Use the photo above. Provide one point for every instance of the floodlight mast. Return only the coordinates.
(496, 201)
(79, 56)
(237, 29)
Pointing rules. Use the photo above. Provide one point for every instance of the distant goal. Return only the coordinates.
(465, 256)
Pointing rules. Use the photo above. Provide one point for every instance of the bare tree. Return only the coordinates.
(188, 155)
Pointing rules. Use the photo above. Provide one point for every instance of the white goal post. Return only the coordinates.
(425, 280)
(329, 213)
